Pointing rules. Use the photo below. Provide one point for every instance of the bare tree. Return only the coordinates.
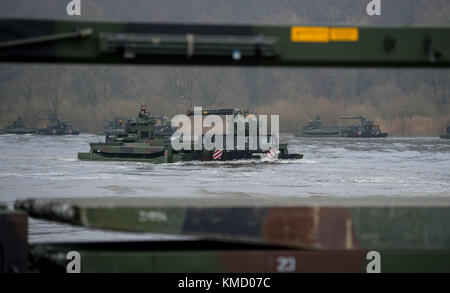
(53, 95)
(94, 85)
(178, 85)
(211, 87)
(27, 83)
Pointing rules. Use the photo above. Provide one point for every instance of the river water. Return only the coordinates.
(44, 166)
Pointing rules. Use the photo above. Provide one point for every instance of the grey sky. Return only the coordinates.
(398, 12)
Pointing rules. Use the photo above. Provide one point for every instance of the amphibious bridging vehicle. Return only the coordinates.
(314, 128)
(367, 128)
(18, 127)
(58, 127)
(142, 143)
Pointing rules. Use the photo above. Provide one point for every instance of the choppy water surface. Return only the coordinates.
(45, 166)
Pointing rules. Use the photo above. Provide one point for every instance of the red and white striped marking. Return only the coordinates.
(217, 155)
(271, 154)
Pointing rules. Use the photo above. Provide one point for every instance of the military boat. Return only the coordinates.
(116, 128)
(366, 128)
(18, 127)
(446, 135)
(314, 128)
(142, 143)
(58, 127)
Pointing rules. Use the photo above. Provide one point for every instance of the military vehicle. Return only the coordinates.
(139, 142)
(446, 135)
(265, 234)
(318, 234)
(314, 128)
(58, 127)
(142, 143)
(366, 128)
(115, 128)
(18, 127)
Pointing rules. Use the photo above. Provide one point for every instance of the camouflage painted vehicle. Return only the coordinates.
(367, 128)
(116, 128)
(322, 234)
(446, 135)
(139, 142)
(310, 223)
(18, 127)
(314, 128)
(58, 127)
(142, 143)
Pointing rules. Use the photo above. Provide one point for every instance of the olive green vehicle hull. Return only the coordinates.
(158, 154)
(95, 157)
(82, 41)
(253, 235)
(306, 223)
(193, 156)
(445, 136)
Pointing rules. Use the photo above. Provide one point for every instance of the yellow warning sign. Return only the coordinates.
(323, 34)
(310, 34)
(344, 34)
